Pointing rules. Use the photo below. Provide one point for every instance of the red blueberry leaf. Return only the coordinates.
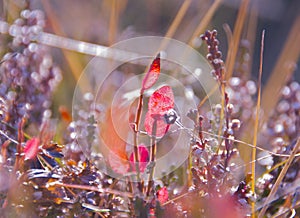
(118, 162)
(152, 76)
(144, 158)
(161, 100)
(162, 195)
(161, 126)
(31, 148)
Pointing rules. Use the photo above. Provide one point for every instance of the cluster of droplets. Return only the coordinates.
(83, 130)
(283, 127)
(28, 76)
(282, 131)
(241, 94)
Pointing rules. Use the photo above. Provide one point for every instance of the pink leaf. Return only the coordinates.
(161, 126)
(31, 148)
(161, 100)
(144, 158)
(162, 195)
(152, 76)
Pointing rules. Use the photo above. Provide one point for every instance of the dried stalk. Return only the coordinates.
(256, 123)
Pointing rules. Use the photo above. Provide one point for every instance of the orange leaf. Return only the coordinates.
(113, 141)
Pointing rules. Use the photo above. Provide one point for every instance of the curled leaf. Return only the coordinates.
(144, 158)
(152, 76)
(31, 148)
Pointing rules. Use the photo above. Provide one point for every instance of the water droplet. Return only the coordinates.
(278, 128)
(88, 96)
(286, 92)
(251, 86)
(265, 159)
(283, 106)
(234, 81)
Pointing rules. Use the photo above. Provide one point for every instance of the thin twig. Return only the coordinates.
(93, 188)
(190, 132)
(135, 137)
(279, 179)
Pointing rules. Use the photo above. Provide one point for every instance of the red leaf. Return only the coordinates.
(152, 76)
(31, 148)
(162, 195)
(161, 126)
(161, 100)
(144, 158)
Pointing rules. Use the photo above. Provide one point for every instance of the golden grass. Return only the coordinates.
(256, 123)
(205, 20)
(283, 70)
(234, 43)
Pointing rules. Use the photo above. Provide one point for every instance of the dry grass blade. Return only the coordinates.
(205, 20)
(256, 122)
(177, 20)
(113, 22)
(251, 34)
(279, 179)
(283, 70)
(234, 45)
(228, 33)
(117, 7)
(72, 59)
(175, 24)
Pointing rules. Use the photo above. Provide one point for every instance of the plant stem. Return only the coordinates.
(135, 138)
(93, 188)
(152, 156)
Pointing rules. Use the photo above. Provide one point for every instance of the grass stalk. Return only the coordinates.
(256, 123)
(286, 62)
(237, 32)
(175, 24)
(205, 20)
